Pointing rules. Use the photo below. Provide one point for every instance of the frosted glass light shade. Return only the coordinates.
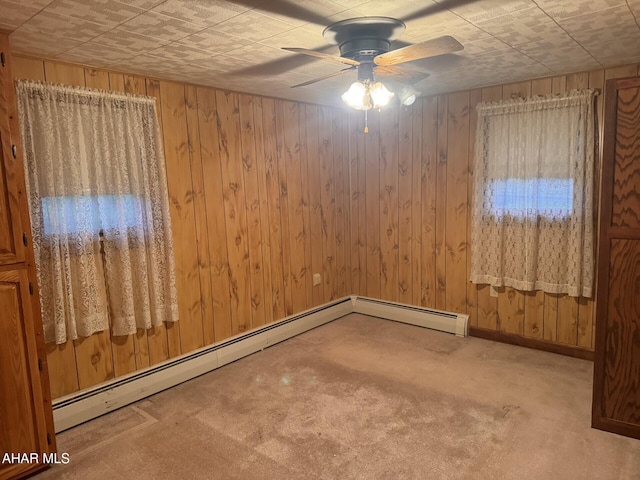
(380, 95)
(357, 96)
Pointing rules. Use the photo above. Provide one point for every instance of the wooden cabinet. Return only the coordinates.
(26, 423)
(616, 394)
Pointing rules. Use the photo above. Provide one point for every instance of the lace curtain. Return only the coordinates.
(532, 224)
(99, 207)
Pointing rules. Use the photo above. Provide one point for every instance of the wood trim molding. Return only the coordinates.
(535, 343)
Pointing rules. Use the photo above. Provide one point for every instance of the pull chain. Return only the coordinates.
(366, 124)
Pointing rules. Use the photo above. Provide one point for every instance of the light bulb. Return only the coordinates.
(357, 96)
(408, 96)
(380, 95)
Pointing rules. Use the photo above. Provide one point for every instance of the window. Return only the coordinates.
(551, 198)
(532, 216)
(99, 212)
(94, 165)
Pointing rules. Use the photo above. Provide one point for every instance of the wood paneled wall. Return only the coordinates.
(411, 183)
(258, 190)
(266, 192)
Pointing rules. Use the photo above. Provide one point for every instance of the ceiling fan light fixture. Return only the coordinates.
(380, 95)
(357, 96)
(408, 96)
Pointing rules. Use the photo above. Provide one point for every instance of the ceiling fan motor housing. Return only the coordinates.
(364, 38)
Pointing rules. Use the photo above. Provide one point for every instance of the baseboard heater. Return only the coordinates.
(82, 406)
(455, 323)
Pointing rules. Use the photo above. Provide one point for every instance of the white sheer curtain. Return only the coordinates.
(99, 209)
(532, 226)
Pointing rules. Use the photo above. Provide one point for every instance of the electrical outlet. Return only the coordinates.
(493, 291)
(316, 279)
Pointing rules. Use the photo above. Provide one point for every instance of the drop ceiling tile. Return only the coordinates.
(175, 52)
(390, 8)
(200, 12)
(476, 12)
(617, 23)
(48, 23)
(560, 55)
(249, 53)
(95, 54)
(159, 26)
(322, 8)
(214, 41)
(523, 26)
(300, 37)
(126, 40)
(103, 12)
(12, 14)
(563, 9)
(443, 23)
(40, 44)
(144, 4)
(253, 26)
(616, 53)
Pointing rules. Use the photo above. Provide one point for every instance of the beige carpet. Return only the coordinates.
(363, 398)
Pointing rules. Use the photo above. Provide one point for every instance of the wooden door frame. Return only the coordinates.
(607, 233)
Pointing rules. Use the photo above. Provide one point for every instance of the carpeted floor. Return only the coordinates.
(363, 398)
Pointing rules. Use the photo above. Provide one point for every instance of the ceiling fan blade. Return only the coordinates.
(285, 8)
(324, 56)
(334, 74)
(280, 65)
(430, 48)
(400, 74)
(436, 8)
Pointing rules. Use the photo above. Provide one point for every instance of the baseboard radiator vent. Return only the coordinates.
(455, 323)
(82, 406)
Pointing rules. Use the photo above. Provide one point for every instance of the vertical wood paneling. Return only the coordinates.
(441, 203)
(328, 200)
(265, 238)
(200, 208)
(235, 210)
(416, 204)
(216, 225)
(296, 204)
(284, 206)
(389, 205)
(358, 133)
(356, 200)
(428, 182)
(372, 215)
(405, 205)
(186, 334)
(306, 208)
(456, 202)
(340, 215)
(273, 195)
(315, 200)
(254, 219)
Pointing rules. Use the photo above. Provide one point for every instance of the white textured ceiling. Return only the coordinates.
(229, 45)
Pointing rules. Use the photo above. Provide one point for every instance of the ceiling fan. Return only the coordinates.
(368, 45)
(365, 45)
